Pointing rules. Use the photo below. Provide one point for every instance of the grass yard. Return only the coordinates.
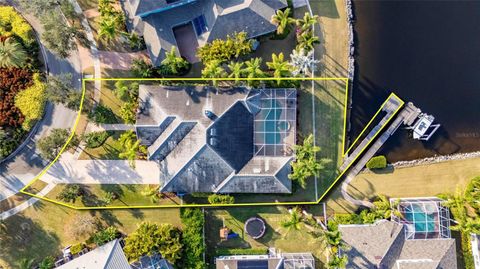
(44, 229)
(422, 180)
(108, 151)
(275, 236)
(128, 195)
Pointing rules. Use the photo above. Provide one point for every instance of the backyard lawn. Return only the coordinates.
(275, 236)
(422, 180)
(44, 229)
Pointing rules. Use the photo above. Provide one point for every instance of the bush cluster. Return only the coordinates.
(221, 199)
(233, 46)
(106, 235)
(377, 162)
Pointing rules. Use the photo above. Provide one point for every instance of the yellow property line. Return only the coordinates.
(23, 190)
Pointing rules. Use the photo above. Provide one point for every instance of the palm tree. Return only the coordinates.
(384, 209)
(131, 150)
(282, 20)
(253, 68)
(108, 28)
(338, 262)
(173, 62)
(236, 70)
(307, 41)
(213, 69)
(280, 67)
(26, 263)
(294, 220)
(306, 23)
(126, 137)
(12, 54)
(152, 193)
(303, 62)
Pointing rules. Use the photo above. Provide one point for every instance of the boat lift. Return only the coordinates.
(424, 127)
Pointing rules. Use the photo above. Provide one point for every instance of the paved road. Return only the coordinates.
(21, 169)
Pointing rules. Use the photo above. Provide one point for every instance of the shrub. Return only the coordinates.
(12, 81)
(31, 102)
(9, 141)
(140, 68)
(192, 240)
(47, 263)
(234, 45)
(221, 199)
(377, 162)
(70, 193)
(106, 235)
(127, 111)
(13, 24)
(96, 139)
(241, 251)
(109, 197)
(75, 249)
(103, 115)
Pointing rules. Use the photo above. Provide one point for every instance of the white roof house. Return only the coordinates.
(108, 256)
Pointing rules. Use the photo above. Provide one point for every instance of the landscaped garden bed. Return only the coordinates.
(22, 92)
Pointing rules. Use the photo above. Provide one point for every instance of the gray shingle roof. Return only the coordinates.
(383, 245)
(200, 153)
(222, 17)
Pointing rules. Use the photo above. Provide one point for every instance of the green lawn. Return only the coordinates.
(108, 151)
(422, 180)
(275, 236)
(44, 229)
(128, 195)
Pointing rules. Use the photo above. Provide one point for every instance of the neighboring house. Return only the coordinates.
(383, 246)
(230, 140)
(111, 256)
(108, 256)
(475, 241)
(270, 261)
(188, 24)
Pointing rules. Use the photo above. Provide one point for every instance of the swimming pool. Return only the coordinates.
(423, 221)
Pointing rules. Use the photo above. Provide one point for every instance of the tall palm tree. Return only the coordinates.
(108, 28)
(12, 54)
(131, 150)
(152, 193)
(236, 70)
(213, 69)
(294, 221)
(173, 62)
(283, 20)
(280, 67)
(307, 22)
(26, 263)
(307, 41)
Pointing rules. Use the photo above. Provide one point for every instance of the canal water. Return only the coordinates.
(428, 52)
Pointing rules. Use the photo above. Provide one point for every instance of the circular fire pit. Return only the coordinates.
(255, 227)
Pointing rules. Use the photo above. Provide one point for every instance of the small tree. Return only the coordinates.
(337, 262)
(307, 41)
(236, 70)
(108, 28)
(377, 162)
(172, 63)
(51, 145)
(59, 37)
(70, 193)
(213, 69)
(283, 20)
(150, 238)
(131, 148)
(306, 164)
(127, 111)
(12, 54)
(59, 87)
(303, 62)
(280, 67)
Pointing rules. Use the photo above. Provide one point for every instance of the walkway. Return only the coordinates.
(4, 215)
(405, 116)
(120, 60)
(92, 127)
